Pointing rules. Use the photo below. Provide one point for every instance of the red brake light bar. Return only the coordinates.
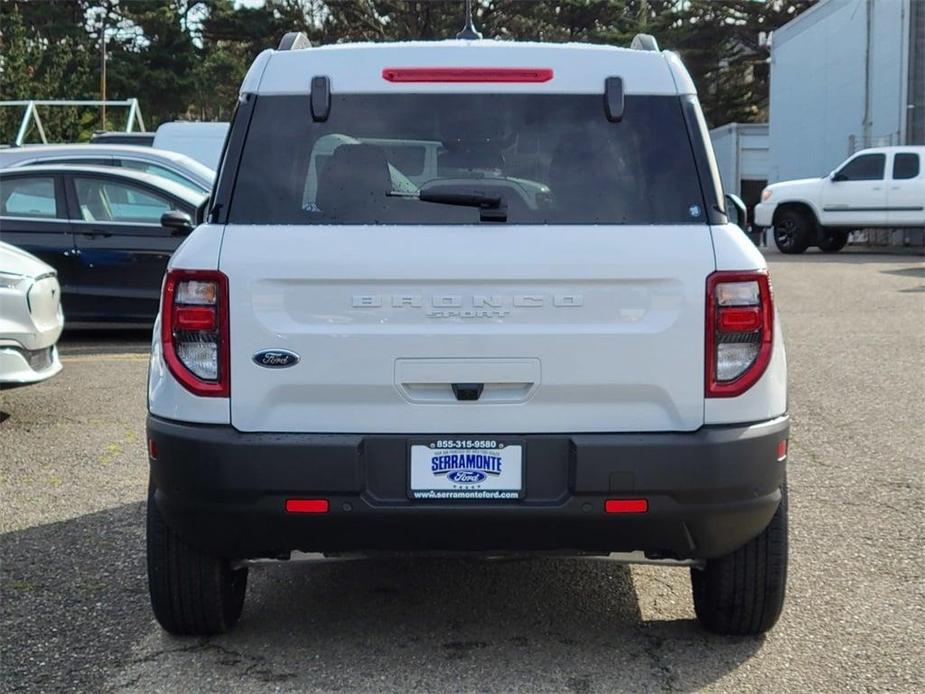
(466, 74)
(194, 318)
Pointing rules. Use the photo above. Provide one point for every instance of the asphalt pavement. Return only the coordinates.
(74, 613)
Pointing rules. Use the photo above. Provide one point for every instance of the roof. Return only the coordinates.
(753, 128)
(578, 68)
(177, 190)
(918, 149)
(194, 168)
(806, 19)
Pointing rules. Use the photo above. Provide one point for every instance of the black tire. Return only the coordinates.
(742, 593)
(833, 241)
(793, 230)
(192, 594)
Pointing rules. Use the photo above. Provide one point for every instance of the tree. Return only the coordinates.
(153, 56)
(41, 56)
(187, 57)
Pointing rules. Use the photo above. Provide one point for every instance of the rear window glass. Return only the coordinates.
(905, 166)
(548, 159)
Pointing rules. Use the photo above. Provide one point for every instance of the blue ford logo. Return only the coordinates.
(466, 476)
(276, 358)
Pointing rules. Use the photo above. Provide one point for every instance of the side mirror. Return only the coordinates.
(839, 176)
(202, 211)
(178, 222)
(736, 211)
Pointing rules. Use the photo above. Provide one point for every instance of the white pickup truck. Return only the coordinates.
(557, 342)
(878, 187)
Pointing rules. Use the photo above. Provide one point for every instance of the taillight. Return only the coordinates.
(194, 330)
(739, 331)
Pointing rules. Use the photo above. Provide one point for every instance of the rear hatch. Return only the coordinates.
(545, 274)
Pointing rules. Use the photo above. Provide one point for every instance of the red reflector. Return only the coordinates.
(306, 505)
(466, 74)
(194, 318)
(626, 506)
(782, 449)
(739, 319)
(152, 449)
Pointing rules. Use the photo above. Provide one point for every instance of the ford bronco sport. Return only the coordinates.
(467, 296)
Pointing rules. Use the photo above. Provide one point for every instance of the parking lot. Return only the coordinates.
(75, 611)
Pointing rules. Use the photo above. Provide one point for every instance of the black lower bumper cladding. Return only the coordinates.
(707, 492)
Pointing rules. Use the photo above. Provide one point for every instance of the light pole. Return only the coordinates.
(103, 65)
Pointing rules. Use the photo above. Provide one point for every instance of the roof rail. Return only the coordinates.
(293, 41)
(644, 42)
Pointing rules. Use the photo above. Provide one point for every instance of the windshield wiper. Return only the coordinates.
(491, 207)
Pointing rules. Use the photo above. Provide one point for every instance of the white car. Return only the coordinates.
(200, 141)
(173, 166)
(339, 366)
(878, 187)
(31, 319)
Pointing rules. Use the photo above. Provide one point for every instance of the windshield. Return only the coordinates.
(411, 158)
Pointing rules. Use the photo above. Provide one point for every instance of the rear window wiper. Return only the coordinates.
(491, 207)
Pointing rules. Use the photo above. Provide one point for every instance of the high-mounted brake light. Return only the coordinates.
(739, 331)
(466, 74)
(194, 330)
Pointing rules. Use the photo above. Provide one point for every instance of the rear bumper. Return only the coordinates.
(708, 492)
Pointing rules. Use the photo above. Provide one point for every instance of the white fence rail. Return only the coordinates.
(30, 116)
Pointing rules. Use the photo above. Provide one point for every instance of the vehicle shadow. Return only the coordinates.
(76, 341)
(473, 624)
(75, 615)
(852, 257)
(74, 599)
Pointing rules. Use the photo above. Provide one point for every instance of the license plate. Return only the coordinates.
(452, 469)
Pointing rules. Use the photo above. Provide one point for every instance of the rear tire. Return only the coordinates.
(833, 241)
(793, 230)
(192, 594)
(742, 593)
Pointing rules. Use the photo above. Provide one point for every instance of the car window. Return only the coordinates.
(32, 196)
(549, 159)
(105, 161)
(905, 165)
(867, 167)
(156, 170)
(113, 201)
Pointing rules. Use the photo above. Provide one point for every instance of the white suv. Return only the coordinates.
(879, 187)
(559, 343)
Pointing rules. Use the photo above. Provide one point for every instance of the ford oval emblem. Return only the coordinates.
(466, 476)
(276, 358)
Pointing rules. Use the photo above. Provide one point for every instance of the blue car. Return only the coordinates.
(107, 231)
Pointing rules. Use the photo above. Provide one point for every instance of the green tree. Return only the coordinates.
(186, 58)
(719, 42)
(153, 56)
(42, 56)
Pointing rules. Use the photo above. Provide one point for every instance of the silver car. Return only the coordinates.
(171, 165)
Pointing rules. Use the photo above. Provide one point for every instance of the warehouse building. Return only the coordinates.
(845, 75)
(742, 159)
